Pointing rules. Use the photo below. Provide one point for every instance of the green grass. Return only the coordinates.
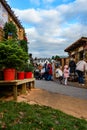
(22, 116)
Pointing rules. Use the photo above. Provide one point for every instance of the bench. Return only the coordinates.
(15, 83)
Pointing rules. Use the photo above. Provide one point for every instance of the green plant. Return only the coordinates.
(29, 68)
(12, 55)
(23, 44)
(10, 29)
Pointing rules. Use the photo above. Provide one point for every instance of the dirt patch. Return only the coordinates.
(72, 106)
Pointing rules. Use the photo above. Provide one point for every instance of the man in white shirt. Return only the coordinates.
(81, 67)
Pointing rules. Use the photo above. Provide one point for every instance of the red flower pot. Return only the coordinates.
(28, 74)
(20, 75)
(9, 74)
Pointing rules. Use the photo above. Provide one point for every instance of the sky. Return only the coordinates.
(51, 25)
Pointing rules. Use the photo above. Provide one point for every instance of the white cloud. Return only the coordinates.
(36, 2)
(28, 15)
(53, 30)
(48, 1)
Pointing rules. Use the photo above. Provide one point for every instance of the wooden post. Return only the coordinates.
(30, 85)
(15, 92)
(23, 88)
(62, 62)
(33, 84)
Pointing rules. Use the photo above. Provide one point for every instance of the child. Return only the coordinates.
(66, 74)
(59, 74)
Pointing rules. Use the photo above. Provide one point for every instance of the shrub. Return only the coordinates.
(12, 55)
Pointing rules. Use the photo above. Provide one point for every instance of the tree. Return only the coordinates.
(53, 57)
(10, 29)
(57, 57)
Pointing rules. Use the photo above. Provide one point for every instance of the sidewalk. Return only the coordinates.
(55, 87)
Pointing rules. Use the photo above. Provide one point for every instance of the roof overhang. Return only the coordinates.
(78, 43)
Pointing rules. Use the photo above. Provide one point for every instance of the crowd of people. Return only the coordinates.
(70, 70)
(43, 72)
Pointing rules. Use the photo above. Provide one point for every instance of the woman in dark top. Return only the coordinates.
(72, 67)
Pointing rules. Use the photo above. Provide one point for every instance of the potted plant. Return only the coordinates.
(20, 73)
(12, 56)
(29, 69)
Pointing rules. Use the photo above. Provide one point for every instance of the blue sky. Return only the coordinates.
(26, 4)
(51, 25)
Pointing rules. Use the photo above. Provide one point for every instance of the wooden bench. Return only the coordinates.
(15, 83)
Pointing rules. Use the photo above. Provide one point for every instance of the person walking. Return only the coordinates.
(72, 68)
(53, 69)
(66, 74)
(59, 74)
(81, 67)
(49, 72)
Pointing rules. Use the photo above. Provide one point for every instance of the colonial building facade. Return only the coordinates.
(7, 15)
